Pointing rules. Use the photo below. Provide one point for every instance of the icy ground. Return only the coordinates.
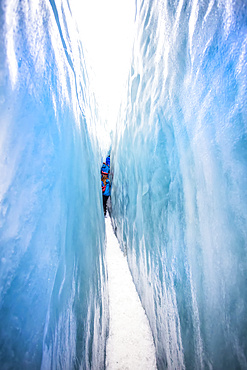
(130, 343)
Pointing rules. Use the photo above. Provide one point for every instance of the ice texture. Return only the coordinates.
(53, 298)
(179, 164)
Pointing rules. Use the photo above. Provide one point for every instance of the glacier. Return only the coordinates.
(179, 198)
(179, 185)
(53, 307)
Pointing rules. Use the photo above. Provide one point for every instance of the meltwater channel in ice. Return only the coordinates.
(179, 198)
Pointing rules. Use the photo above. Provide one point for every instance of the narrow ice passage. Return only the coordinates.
(130, 343)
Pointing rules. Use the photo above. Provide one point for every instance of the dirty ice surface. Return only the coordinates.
(130, 343)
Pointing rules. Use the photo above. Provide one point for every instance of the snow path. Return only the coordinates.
(130, 344)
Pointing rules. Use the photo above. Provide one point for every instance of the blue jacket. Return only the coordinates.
(105, 169)
(107, 161)
(106, 189)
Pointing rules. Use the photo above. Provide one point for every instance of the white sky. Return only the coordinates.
(106, 29)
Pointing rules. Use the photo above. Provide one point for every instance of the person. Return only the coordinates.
(106, 191)
(107, 161)
(105, 169)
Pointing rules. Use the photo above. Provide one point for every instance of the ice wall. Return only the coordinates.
(179, 197)
(53, 301)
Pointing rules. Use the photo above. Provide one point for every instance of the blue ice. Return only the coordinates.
(53, 306)
(179, 198)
